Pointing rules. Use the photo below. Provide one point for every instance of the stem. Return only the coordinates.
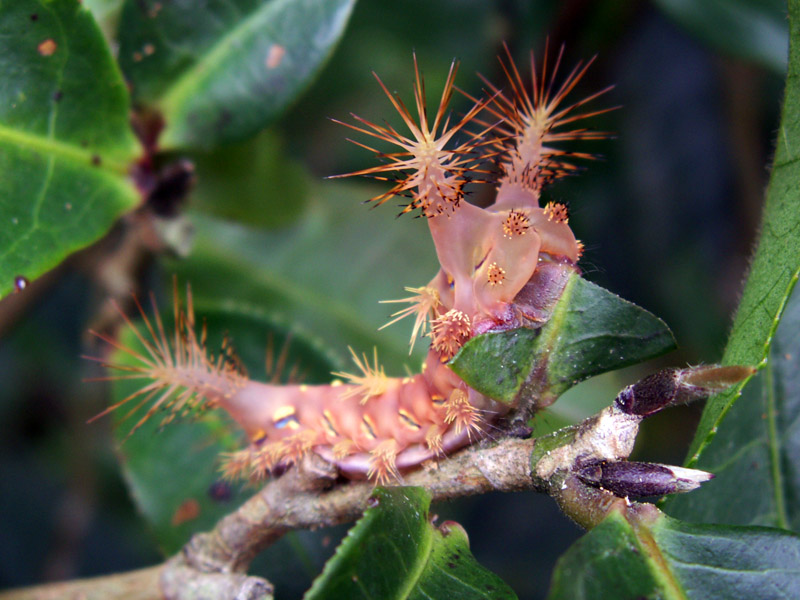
(310, 495)
(134, 585)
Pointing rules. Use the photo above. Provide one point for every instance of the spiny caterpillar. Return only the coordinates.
(502, 266)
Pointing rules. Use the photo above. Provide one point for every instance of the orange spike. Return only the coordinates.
(236, 464)
(428, 165)
(182, 374)
(433, 439)
(460, 413)
(556, 212)
(372, 383)
(531, 119)
(424, 303)
(343, 449)
(450, 332)
(383, 463)
(264, 459)
(294, 447)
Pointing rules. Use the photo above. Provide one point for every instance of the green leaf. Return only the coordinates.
(103, 8)
(106, 13)
(590, 332)
(774, 268)
(730, 563)
(754, 453)
(65, 143)
(172, 471)
(610, 561)
(395, 552)
(751, 29)
(672, 560)
(224, 72)
(253, 182)
(320, 274)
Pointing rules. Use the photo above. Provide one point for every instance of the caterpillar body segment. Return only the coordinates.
(374, 430)
(502, 266)
(180, 374)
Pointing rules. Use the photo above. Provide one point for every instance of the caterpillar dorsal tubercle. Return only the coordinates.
(502, 266)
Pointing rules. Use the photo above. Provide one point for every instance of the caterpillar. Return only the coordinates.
(501, 266)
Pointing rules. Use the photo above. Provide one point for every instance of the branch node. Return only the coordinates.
(181, 582)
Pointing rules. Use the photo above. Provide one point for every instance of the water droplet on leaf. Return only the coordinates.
(20, 283)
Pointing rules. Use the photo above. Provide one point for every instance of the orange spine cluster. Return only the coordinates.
(501, 267)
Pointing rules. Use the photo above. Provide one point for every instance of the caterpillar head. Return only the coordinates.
(488, 255)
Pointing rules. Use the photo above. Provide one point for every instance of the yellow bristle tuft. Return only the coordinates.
(371, 383)
(383, 463)
(424, 305)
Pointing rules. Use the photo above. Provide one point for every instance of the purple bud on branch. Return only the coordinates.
(671, 387)
(636, 479)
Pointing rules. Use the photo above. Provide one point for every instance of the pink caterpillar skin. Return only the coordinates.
(502, 267)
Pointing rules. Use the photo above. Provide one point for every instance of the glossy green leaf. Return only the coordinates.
(774, 268)
(223, 71)
(671, 560)
(394, 551)
(751, 29)
(65, 143)
(325, 274)
(590, 332)
(173, 471)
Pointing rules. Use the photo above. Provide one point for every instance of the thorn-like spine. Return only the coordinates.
(372, 382)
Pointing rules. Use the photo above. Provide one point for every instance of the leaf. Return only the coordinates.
(102, 8)
(223, 72)
(608, 562)
(65, 143)
(674, 560)
(395, 552)
(590, 332)
(106, 13)
(172, 471)
(750, 29)
(254, 182)
(754, 453)
(773, 274)
(320, 274)
(730, 563)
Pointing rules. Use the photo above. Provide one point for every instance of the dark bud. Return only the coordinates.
(671, 387)
(651, 394)
(637, 480)
(220, 491)
(520, 431)
(172, 186)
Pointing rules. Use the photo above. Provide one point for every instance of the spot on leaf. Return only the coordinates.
(187, 511)
(47, 47)
(275, 56)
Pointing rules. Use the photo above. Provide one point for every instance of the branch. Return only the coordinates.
(307, 496)
(582, 467)
(135, 585)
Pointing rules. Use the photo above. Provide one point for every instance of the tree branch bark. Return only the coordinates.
(576, 466)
